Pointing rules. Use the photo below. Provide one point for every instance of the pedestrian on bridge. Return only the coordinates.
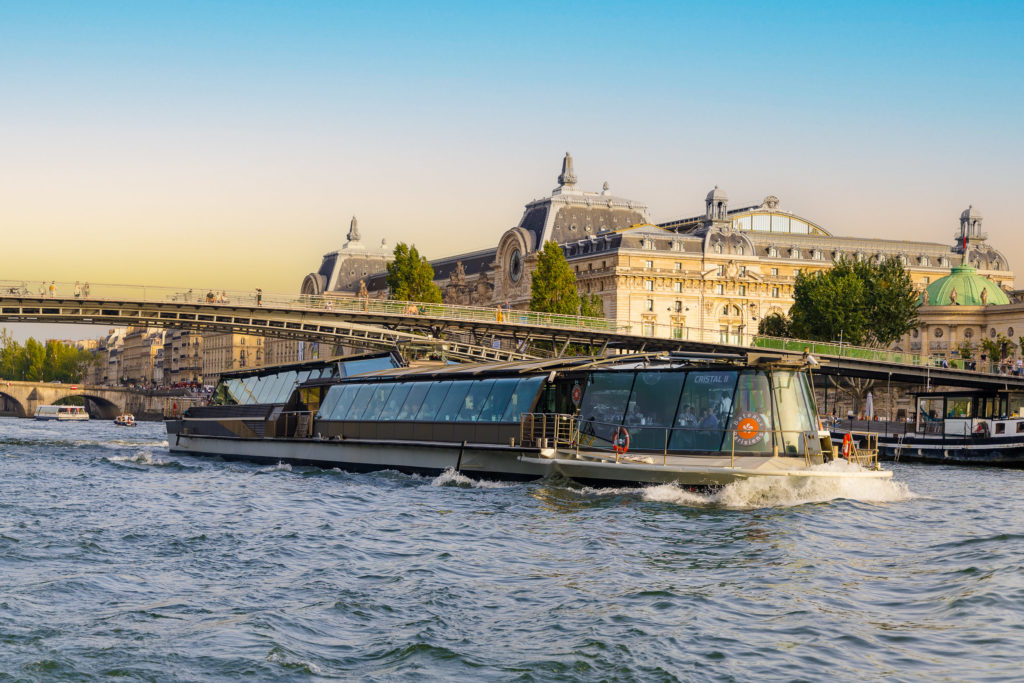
(53, 288)
(78, 290)
(259, 296)
(85, 290)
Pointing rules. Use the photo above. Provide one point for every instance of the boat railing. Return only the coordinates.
(548, 430)
(571, 432)
(863, 449)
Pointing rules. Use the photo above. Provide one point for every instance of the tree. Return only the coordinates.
(864, 303)
(774, 325)
(591, 306)
(410, 277)
(38, 362)
(553, 289)
(830, 303)
(891, 302)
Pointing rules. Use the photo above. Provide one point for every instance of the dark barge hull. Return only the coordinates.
(981, 451)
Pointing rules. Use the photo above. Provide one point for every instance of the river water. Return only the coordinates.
(119, 559)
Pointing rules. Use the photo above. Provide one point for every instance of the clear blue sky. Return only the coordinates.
(158, 137)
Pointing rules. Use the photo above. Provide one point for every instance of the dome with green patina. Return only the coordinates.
(963, 287)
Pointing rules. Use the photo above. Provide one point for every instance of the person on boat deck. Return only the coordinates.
(687, 418)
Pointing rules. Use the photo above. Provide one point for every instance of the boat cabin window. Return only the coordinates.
(359, 401)
(497, 401)
(652, 408)
(378, 397)
(605, 398)
(795, 414)
(395, 401)
(453, 402)
(488, 400)
(704, 410)
(413, 402)
(521, 400)
(958, 406)
(348, 368)
(1015, 405)
(432, 403)
(750, 429)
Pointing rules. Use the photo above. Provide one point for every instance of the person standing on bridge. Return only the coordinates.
(259, 296)
(85, 290)
(78, 290)
(53, 288)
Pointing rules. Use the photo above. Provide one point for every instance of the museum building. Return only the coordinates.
(711, 276)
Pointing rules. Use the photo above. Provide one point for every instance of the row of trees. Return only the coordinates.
(863, 303)
(35, 361)
(410, 277)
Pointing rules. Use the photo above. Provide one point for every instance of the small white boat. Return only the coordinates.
(62, 413)
(125, 420)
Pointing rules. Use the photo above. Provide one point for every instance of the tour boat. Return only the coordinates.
(125, 420)
(61, 413)
(952, 427)
(698, 421)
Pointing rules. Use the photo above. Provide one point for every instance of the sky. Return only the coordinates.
(226, 145)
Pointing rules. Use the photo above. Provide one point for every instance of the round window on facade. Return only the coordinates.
(515, 265)
(1009, 332)
(968, 333)
(915, 334)
(938, 332)
(992, 332)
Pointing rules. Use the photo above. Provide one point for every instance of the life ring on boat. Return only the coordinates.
(847, 445)
(620, 440)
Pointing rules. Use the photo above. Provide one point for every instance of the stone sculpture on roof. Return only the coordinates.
(353, 231)
(567, 177)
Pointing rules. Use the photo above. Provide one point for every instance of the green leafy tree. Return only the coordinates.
(864, 303)
(774, 325)
(830, 303)
(553, 289)
(591, 306)
(38, 362)
(410, 277)
(891, 301)
(966, 350)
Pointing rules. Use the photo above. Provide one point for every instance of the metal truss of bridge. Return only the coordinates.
(457, 332)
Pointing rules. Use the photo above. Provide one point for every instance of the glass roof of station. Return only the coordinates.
(775, 222)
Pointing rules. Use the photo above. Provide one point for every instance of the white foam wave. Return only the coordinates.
(452, 478)
(279, 467)
(140, 458)
(762, 492)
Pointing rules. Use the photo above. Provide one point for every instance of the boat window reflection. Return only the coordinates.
(432, 403)
(413, 401)
(522, 398)
(395, 401)
(453, 402)
(704, 409)
(652, 407)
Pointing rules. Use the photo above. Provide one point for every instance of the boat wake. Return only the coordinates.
(452, 478)
(142, 458)
(279, 467)
(786, 491)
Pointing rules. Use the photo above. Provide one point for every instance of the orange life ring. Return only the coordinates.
(620, 440)
(847, 445)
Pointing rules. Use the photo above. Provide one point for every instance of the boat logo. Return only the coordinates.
(750, 429)
(577, 393)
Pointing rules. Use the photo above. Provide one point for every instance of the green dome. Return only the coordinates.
(968, 285)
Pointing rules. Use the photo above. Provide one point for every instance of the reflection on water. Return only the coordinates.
(119, 558)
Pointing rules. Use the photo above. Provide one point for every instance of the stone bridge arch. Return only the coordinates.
(11, 406)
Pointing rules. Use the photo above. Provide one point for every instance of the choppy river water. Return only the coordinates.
(119, 559)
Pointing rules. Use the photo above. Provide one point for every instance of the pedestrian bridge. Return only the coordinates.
(456, 332)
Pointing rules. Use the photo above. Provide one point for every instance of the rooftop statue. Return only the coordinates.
(353, 230)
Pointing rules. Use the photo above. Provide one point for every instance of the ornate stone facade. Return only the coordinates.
(712, 276)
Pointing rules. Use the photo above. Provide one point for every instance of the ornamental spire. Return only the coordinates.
(353, 230)
(567, 177)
